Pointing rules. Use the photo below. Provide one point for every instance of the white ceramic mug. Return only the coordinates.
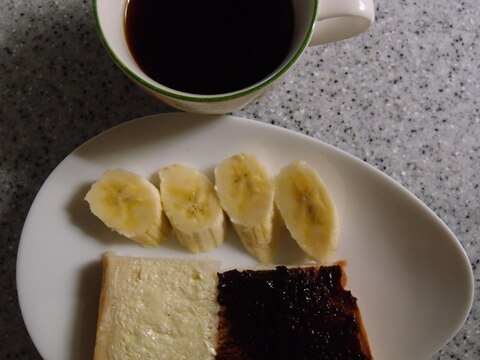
(316, 22)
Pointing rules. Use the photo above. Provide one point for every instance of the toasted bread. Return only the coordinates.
(157, 309)
(187, 309)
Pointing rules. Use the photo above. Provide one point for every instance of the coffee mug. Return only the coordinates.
(314, 22)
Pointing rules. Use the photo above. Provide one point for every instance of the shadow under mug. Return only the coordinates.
(316, 22)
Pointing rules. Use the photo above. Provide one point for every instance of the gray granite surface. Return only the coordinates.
(404, 97)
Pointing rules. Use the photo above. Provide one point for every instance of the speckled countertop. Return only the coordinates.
(403, 97)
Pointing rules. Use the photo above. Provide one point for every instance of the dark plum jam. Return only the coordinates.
(288, 314)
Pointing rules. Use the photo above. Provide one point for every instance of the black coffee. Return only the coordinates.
(209, 46)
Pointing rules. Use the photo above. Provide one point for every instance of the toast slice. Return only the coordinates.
(157, 309)
(187, 309)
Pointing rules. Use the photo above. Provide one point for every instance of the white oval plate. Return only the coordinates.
(410, 274)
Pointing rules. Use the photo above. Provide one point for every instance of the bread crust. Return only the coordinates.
(100, 347)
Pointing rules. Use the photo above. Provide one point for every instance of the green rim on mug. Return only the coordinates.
(207, 98)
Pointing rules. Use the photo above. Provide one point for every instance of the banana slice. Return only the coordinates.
(246, 194)
(308, 210)
(192, 206)
(130, 205)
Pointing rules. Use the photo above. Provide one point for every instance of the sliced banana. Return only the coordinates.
(308, 210)
(192, 206)
(130, 205)
(246, 194)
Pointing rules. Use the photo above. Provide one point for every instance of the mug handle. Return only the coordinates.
(341, 19)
